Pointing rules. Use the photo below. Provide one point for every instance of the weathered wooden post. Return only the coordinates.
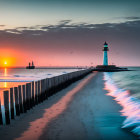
(52, 86)
(17, 101)
(47, 88)
(30, 95)
(27, 97)
(36, 92)
(55, 81)
(41, 93)
(44, 89)
(33, 94)
(61, 81)
(6, 106)
(20, 99)
(39, 100)
(24, 99)
(1, 122)
(53, 89)
(12, 104)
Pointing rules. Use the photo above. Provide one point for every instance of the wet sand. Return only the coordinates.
(82, 111)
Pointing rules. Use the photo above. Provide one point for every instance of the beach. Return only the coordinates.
(79, 112)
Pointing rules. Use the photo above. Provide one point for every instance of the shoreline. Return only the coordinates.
(86, 113)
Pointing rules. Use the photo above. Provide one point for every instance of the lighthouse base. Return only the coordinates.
(109, 68)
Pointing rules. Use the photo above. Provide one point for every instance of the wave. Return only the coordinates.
(130, 105)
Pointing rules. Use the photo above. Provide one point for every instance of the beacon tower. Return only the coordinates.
(105, 56)
(105, 67)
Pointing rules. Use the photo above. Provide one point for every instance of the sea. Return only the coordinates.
(125, 88)
(11, 77)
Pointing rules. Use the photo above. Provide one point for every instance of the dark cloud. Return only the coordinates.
(132, 18)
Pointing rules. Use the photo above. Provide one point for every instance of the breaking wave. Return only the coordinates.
(130, 105)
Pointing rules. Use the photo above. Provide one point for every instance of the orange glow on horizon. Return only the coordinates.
(9, 57)
(7, 62)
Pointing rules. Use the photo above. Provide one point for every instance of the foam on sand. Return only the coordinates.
(130, 104)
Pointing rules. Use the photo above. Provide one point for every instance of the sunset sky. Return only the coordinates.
(69, 32)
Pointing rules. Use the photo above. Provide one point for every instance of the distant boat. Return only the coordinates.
(30, 66)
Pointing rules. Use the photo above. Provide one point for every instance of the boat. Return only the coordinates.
(30, 66)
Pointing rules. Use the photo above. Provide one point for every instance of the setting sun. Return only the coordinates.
(5, 63)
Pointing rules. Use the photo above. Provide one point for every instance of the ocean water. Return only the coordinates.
(125, 88)
(13, 77)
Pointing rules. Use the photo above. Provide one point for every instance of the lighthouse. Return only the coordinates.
(105, 67)
(105, 56)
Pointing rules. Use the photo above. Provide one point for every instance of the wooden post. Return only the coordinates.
(53, 81)
(20, 99)
(33, 94)
(1, 122)
(27, 97)
(6, 106)
(24, 99)
(43, 89)
(17, 101)
(30, 95)
(36, 92)
(54, 85)
(39, 92)
(12, 104)
(46, 88)
(49, 87)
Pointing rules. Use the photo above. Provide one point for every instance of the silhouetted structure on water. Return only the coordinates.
(31, 66)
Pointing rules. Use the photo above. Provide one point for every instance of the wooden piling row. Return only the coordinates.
(25, 97)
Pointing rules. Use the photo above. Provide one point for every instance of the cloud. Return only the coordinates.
(67, 37)
(133, 18)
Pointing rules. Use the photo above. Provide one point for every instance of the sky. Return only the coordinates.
(69, 32)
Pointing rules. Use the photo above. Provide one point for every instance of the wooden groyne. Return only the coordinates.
(18, 100)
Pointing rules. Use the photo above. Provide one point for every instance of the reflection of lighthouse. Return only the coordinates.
(105, 59)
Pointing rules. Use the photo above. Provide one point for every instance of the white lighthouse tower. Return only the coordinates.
(105, 67)
(105, 56)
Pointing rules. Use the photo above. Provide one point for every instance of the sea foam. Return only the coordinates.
(130, 105)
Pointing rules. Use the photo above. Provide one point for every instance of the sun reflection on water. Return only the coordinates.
(5, 84)
(5, 74)
(130, 104)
